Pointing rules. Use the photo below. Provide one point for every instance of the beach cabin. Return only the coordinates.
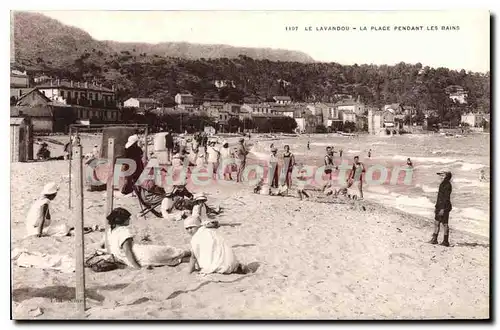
(21, 139)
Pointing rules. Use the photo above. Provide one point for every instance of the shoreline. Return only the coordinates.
(315, 260)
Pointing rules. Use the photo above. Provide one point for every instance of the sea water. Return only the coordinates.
(464, 156)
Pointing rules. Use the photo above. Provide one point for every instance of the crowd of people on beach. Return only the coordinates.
(209, 252)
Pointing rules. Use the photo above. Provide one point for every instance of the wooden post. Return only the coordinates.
(146, 144)
(69, 170)
(109, 186)
(78, 216)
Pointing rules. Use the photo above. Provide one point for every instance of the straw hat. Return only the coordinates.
(50, 189)
(200, 197)
(274, 149)
(192, 221)
(131, 140)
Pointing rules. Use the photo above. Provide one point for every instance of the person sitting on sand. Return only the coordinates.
(122, 247)
(43, 153)
(442, 208)
(168, 206)
(38, 219)
(201, 209)
(210, 253)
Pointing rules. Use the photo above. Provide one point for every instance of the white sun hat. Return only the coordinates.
(200, 197)
(131, 140)
(50, 188)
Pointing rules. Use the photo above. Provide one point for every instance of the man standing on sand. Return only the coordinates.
(443, 208)
(169, 145)
(357, 171)
(329, 164)
(241, 159)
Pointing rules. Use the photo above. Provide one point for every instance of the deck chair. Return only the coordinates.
(148, 201)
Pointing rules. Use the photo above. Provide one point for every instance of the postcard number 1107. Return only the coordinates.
(292, 28)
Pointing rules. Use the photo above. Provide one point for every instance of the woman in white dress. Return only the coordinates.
(210, 253)
(122, 246)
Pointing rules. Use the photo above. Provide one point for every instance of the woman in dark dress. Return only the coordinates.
(134, 153)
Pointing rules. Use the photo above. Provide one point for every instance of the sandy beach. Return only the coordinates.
(334, 260)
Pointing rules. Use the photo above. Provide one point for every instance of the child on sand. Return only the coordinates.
(38, 220)
(210, 252)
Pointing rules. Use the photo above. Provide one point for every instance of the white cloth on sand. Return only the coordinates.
(26, 259)
(213, 253)
(146, 255)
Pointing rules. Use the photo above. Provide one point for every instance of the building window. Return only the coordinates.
(62, 94)
(95, 96)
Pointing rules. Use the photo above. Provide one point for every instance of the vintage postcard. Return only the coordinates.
(249, 165)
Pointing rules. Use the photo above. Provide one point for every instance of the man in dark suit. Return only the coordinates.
(443, 208)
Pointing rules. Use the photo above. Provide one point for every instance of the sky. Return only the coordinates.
(466, 48)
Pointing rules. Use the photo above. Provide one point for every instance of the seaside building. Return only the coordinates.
(19, 85)
(347, 115)
(282, 99)
(379, 121)
(244, 114)
(258, 108)
(232, 108)
(19, 79)
(350, 105)
(473, 119)
(141, 103)
(184, 98)
(54, 109)
(188, 108)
